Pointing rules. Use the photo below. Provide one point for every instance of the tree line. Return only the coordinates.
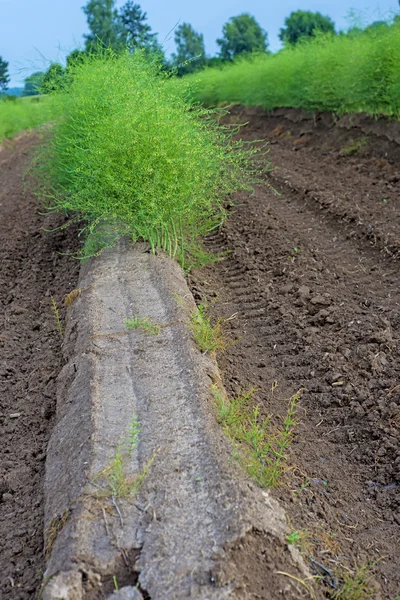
(128, 28)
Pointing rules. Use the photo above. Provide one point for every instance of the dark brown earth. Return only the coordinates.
(313, 277)
(32, 271)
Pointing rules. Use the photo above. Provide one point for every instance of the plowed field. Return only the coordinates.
(34, 268)
(309, 285)
(312, 280)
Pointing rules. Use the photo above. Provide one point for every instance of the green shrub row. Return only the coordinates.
(129, 153)
(331, 73)
(21, 113)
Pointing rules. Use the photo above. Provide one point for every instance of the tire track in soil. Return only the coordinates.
(324, 317)
(32, 270)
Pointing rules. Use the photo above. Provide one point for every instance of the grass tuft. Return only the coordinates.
(145, 324)
(56, 312)
(356, 586)
(261, 448)
(198, 257)
(207, 336)
(354, 147)
(114, 481)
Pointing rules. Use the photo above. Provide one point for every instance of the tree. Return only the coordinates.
(242, 35)
(75, 58)
(215, 61)
(118, 30)
(377, 25)
(4, 77)
(305, 24)
(33, 84)
(190, 54)
(101, 18)
(54, 79)
(133, 31)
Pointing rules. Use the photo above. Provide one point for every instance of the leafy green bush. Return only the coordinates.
(331, 73)
(21, 113)
(131, 154)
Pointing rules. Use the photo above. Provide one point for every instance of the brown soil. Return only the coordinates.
(313, 277)
(32, 271)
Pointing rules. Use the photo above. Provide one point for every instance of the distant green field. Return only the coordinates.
(22, 113)
(336, 73)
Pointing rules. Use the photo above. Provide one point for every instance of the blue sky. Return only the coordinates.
(34, 32)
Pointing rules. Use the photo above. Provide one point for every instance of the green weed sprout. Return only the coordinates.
(208, 337)
(56, 312)
(356, 586)
(293, 538)
(260, 448)
(144, 324)
(114, 481)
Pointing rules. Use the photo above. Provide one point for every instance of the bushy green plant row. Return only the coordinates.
(21, 113)
(129, 153)
(332, 73)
